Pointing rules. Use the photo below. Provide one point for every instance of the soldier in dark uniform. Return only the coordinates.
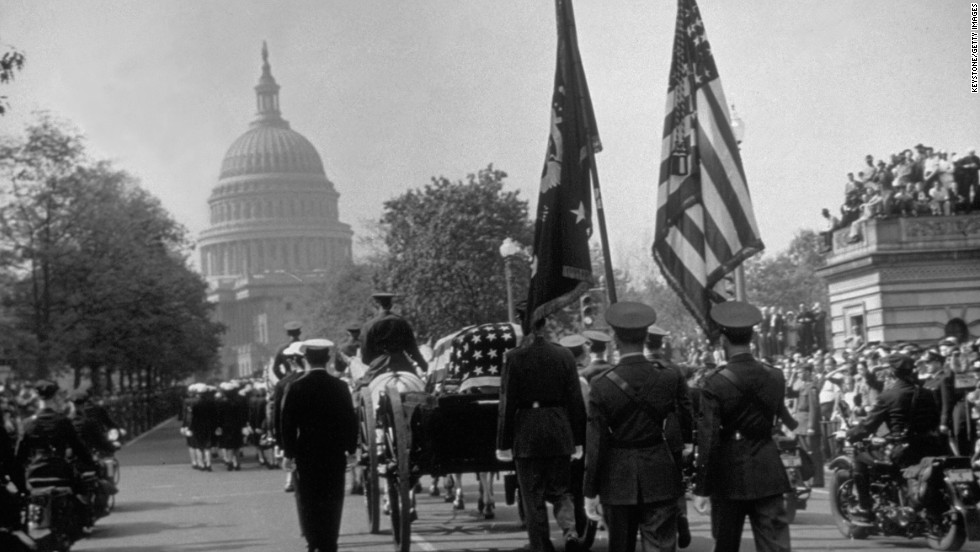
(738, 462)
(319, 431)
(541, 425)
(47, 438)
(629, 467)
(89, 428)
(280, 362)
(910, 412)
(203, 424)
(598, 343)
(388, 342)
(677, 427)
(293, 360)
(348, 349)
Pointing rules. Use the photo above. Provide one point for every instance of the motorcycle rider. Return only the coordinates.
(910, 412)
(89, 425)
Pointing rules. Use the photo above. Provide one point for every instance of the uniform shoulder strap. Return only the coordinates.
(651, 410)
(746, 393)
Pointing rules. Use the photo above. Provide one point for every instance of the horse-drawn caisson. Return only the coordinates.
(410, 428)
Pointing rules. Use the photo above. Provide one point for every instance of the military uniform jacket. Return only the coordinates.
(390, 334)
(737, 457)
(541, 413)
(894, 407)
(678, 425)
(627, 459)
(274, 409)
(594, 368)
(318, 419)
(42, 448)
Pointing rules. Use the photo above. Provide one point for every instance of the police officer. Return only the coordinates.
(541, 426)
(319, 431)
(910, 412)
(629, 467)
(738, 462)
(676, 435)
(598, 343)
(389, 335)
(47, 438)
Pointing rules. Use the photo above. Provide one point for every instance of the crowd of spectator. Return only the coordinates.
(917, 182)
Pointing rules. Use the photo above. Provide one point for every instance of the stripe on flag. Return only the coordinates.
(705, 222)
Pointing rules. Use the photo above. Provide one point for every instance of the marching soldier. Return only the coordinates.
(677, 428)
(738, 464)
(541, 426)
(629, 467)
(598, 343)
(319, 431)
(389, 335)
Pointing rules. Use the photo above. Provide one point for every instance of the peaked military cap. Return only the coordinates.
(657, 330)
(353, 328)
(382, 295)
(292, 326)
(900, 364)
(933, 355)
(596, 335)
(630, 315)
(572, 341)
(950, 340)
(318, 344)
(736, 314)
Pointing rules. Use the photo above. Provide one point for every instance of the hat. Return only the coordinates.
(901, 365)
(933, 355)
(573, 341)
(78, 396)
(46, 389)
(595, 335)
(318, 344)
(293, 349)
(735, 315)
(292, 326)
(950, 340)
(353, 328)
(629, 315)
(657, 330)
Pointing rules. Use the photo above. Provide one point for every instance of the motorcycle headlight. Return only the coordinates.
(113, 434)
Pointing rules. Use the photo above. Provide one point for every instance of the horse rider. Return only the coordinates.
(388, 342)
(629, 467)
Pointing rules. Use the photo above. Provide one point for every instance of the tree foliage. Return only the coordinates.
(442, 251)
(96, 270)
(345, 300)
(11, 61)
(788, 279)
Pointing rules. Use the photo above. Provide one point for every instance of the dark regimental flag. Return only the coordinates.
(561, 269)
(705, 223)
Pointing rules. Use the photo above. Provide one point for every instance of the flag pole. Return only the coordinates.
(590, 148)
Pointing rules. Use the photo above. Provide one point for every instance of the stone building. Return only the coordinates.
(914, 279)
(274, 234)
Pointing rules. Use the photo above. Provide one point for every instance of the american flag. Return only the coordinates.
(705, 223)
(478, 352)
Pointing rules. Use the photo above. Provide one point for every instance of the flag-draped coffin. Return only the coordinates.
(705, 223)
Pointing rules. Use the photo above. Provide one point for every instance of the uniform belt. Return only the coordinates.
(645, 443)
(740, 436)
(540, 404)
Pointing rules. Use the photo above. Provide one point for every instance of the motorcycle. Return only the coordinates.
(56, 518)
(13, 529)
(797, 463)
(938, 503)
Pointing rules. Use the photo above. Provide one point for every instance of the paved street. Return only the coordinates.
(164, 505)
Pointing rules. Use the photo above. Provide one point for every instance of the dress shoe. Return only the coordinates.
(290, 487)
(683, 532)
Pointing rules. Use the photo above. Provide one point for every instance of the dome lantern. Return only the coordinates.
(267, 96)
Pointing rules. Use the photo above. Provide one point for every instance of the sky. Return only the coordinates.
(394, 93)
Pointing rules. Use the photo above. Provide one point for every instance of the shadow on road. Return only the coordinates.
(141, 528)
(196, 547)
(143, 506)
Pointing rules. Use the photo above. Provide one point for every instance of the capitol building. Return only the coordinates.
(274, 234)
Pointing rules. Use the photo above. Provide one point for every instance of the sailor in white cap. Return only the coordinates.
(319, 431)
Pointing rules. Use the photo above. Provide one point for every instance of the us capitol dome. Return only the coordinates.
(274, 234)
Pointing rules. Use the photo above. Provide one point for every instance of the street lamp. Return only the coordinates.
(510, 249)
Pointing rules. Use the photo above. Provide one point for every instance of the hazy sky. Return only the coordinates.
(392, 93)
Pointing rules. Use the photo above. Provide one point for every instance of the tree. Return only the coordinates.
(11, 62)
(345, 300)
(98, 270)
(789, 278)
(442, 251)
